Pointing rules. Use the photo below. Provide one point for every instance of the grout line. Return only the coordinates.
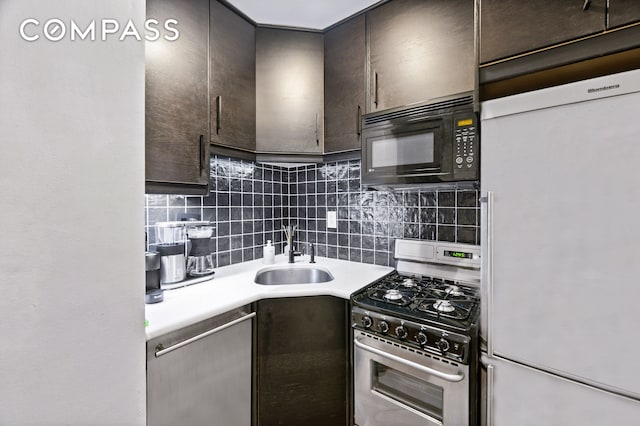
(307, 209)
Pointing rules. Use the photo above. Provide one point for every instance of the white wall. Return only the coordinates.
(71, 220)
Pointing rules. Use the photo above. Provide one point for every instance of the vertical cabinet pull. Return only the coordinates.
(202, 152)
(317, 138)
(218, 114)
(490, 385)
(375, 88)
(486, 281)
(358, 124)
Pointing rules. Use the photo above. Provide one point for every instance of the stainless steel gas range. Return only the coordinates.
(416, 339)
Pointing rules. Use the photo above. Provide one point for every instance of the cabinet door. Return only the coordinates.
(622, 12)
(289, 91)
(344, 84)
(511, 27)
(177, 97)
(420, 50)
(233, 79)
(302, 361)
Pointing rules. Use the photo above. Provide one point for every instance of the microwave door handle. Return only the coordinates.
(411, 364)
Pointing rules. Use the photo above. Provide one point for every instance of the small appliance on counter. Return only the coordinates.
(200, 261)
(154, 293)
(171, 246)
(185, 250)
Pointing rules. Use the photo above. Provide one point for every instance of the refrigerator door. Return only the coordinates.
(522, 396)
(561, 278)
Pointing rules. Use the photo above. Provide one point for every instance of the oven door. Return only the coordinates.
(403, 151)
(396, 386)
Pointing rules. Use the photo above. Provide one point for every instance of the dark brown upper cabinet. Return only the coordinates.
(420, 50)
(344, 84)
(233, 79)
(623, 12)
(289, 91)
(512, 27)
(177, 100)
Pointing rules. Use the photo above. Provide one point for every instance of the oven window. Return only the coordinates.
(402, 150)
(408, 390)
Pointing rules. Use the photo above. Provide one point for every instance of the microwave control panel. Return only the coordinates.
(465, 145)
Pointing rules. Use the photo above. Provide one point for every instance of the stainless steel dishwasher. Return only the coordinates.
(202, 374)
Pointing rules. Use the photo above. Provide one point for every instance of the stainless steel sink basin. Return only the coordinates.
(293, 274)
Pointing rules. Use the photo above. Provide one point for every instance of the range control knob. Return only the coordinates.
(422, 338)
(383, 326)
(401, 332)
(366, 322)
(443, 345)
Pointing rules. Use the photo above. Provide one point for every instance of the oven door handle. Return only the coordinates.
(414, 365)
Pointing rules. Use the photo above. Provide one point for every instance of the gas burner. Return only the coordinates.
(409, 283)
(393, 295)
(443, 306)
(454, 290)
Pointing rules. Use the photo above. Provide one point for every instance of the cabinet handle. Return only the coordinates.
(358, 129)
(218, 114)
(202, 152)
(490, 385)
(586, 5)
(375, 88)
(317, 138)
(161, 350)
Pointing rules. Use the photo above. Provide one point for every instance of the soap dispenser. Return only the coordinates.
(269, 254)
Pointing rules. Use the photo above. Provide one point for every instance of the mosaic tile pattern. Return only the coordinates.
(250, 202)
(368, 222)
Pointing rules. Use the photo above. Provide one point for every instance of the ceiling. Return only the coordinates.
(316, 14)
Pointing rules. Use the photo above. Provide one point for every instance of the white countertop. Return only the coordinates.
(233, 286)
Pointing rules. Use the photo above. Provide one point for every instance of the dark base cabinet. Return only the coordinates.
(303, 366)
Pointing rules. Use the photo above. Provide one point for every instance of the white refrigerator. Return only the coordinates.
(561, 255)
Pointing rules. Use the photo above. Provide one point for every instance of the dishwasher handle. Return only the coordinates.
(160, 350)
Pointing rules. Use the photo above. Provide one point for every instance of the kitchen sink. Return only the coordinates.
(293, 274)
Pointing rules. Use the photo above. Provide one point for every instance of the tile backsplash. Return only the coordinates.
(249, 202)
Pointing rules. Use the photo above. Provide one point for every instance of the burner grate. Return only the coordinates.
(431, 299)
(446, 308)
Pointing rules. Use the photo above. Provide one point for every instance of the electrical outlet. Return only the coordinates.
(332, 222)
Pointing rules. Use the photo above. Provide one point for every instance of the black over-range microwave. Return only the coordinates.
(426, 143)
